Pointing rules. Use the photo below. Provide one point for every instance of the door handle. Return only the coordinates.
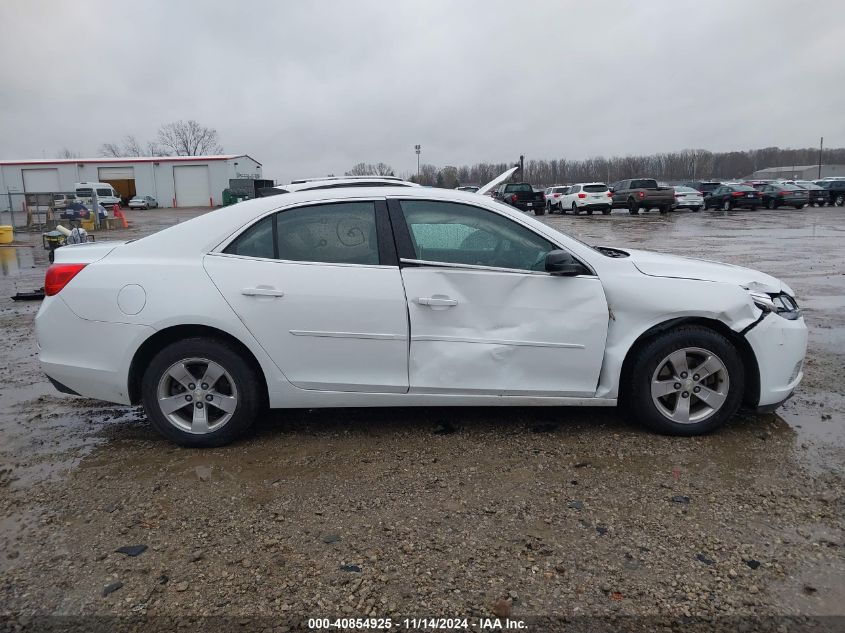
(437, 301)
(262, 292)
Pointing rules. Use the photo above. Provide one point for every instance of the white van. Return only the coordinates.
(106, 195)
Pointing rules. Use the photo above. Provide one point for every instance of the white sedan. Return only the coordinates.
(688, 198)
(143, 202)
(407, 296)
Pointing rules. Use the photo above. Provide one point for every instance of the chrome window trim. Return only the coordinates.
(425, 262)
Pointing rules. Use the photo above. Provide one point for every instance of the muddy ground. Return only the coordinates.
(436, 512)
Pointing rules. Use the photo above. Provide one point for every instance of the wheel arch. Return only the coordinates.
(749, 361)
(162, 338)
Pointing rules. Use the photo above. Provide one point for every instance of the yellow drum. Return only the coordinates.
(7, 234)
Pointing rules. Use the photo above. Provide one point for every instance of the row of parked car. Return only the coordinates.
(638, 194)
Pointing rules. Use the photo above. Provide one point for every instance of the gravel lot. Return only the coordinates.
(437, 512)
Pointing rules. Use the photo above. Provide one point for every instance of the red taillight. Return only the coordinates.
(737, 194)
(641, 194)
(58, 276)
(759, 194)
(555, 195)
(514, 197)
(609, 194)
(781, 193)
(582, 195)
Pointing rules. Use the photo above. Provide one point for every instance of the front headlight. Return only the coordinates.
(780, 303)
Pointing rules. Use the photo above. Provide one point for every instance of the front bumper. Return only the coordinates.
(780, 346)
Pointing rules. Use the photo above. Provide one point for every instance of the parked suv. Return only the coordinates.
(835, 191)
(553, 198)
(642, 193)
(587, 196)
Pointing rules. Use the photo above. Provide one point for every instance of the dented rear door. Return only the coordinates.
(477, 329)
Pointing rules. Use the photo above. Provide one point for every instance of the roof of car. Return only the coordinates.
(339, 182)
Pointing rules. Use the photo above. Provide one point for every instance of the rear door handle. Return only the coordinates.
(437, 301)
(262, 292)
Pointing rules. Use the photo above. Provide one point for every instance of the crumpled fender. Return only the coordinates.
(639, 302)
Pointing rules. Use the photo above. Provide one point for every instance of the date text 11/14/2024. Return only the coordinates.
(418, 624)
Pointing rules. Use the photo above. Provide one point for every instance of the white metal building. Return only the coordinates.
(175, 181)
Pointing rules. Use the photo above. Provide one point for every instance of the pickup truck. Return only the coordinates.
(522, 196)
(642, 193)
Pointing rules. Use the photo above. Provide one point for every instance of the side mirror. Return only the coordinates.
(563, 264)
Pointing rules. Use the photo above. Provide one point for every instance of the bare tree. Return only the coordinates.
(66, 153)
(367, 169)
(189, 138)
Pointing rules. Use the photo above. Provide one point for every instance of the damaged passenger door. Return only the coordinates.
(485, 317)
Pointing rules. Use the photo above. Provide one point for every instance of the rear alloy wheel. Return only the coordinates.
(771, 204)
(687, 381)
(726, 205)
(839, 200)
(200, 392)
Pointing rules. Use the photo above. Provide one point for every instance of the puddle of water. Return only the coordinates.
(15, 260)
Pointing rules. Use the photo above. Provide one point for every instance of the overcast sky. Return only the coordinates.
(310, 88)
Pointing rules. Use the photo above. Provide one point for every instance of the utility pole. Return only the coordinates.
(522, 166)
(821, 149)
(418, 148)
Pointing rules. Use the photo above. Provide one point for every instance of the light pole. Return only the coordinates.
(417, 149)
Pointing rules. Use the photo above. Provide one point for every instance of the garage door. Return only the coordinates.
(193, 188)
(116, 173)
(41, 180)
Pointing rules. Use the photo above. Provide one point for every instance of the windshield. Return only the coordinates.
(518, 187)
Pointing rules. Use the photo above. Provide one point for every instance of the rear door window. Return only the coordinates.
(595, 188)
(342, 233)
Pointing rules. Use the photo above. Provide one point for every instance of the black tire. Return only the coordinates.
(606, 211)
(696, 209)
(246, 381)
(798, 207)
(770, 204)
(589, 212)
(754, 208)
(540, 211)
(562, 208)
(637, 390)
(549, 207)
(633, 207)
(839, 201)
(727, 206)
(663, 210)
(574, 209)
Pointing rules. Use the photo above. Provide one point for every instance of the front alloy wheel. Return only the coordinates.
(685, 381)
(690, 385)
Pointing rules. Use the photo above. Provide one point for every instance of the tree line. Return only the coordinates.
(690, 164)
